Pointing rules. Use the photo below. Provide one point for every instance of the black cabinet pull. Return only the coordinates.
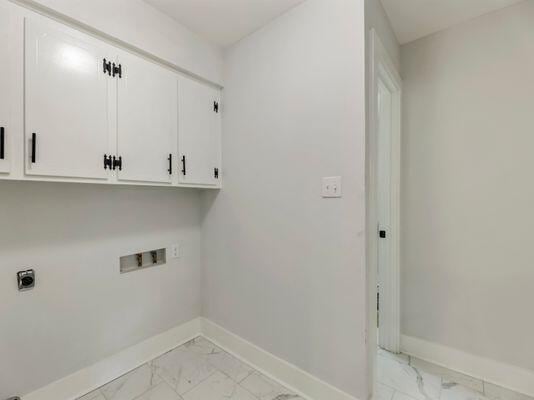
(2, 143)
(170, 164)
(183, 165)
(34, 147)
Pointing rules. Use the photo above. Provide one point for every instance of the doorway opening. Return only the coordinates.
(384, 148)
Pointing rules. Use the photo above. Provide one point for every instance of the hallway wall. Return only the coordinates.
(467, 192)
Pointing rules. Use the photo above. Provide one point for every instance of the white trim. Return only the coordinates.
(88, 379)
(383, 69)
(288, 375)
(491, 371)
(97, 375)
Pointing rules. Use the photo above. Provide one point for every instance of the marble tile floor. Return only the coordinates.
(400, 377)
(198, 370)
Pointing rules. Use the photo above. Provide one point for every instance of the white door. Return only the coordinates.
(384, 204)
(67, 102)
(5, 98)
(387, 178)
(147, 121)
(199, 133)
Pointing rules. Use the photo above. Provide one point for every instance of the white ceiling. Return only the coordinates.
(414, 19)
(224, 21)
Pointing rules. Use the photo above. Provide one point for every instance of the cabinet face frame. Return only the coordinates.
(199, 133)
(68, 102)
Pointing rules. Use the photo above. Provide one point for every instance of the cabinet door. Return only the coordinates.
(5, 106)
(199, 133)
(67, 102)
(147, 121)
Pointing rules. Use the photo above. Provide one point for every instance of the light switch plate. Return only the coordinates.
(332, 187)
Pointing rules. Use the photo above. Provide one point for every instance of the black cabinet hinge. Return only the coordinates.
(382, 234)
(117, 163)
(117, 70)
(170, 164)
(107, 67)
(107, 162)
(216, 106)
(216, 173)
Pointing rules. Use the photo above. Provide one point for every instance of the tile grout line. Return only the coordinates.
(190, 389)
(250, 373)
(238, 383)
(195, 386)
(216, 369)
(395, 390)
(153, 387)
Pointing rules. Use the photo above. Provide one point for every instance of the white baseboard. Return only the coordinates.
(97, 375)
(88, 379)
(491, 371)
(290, 376)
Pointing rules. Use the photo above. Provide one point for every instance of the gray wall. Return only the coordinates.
(467, 274)
(83, 309)
(285, 268)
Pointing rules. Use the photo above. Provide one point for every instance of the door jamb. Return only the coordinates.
(382, 68)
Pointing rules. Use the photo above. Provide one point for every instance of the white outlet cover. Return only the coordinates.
(174, 251)
(332, 187)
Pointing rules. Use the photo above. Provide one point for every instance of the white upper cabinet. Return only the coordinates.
(67, 103)
(5, 98)
(76, 108)
(147, 121)
(199, 133)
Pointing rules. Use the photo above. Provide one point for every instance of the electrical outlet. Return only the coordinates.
(332, 186)
(174, 251)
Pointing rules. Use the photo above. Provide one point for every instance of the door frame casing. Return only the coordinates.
(381, 68)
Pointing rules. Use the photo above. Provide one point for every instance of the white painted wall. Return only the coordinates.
(82, 309)
(140, 25)
(467, 187)
(285, 268)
